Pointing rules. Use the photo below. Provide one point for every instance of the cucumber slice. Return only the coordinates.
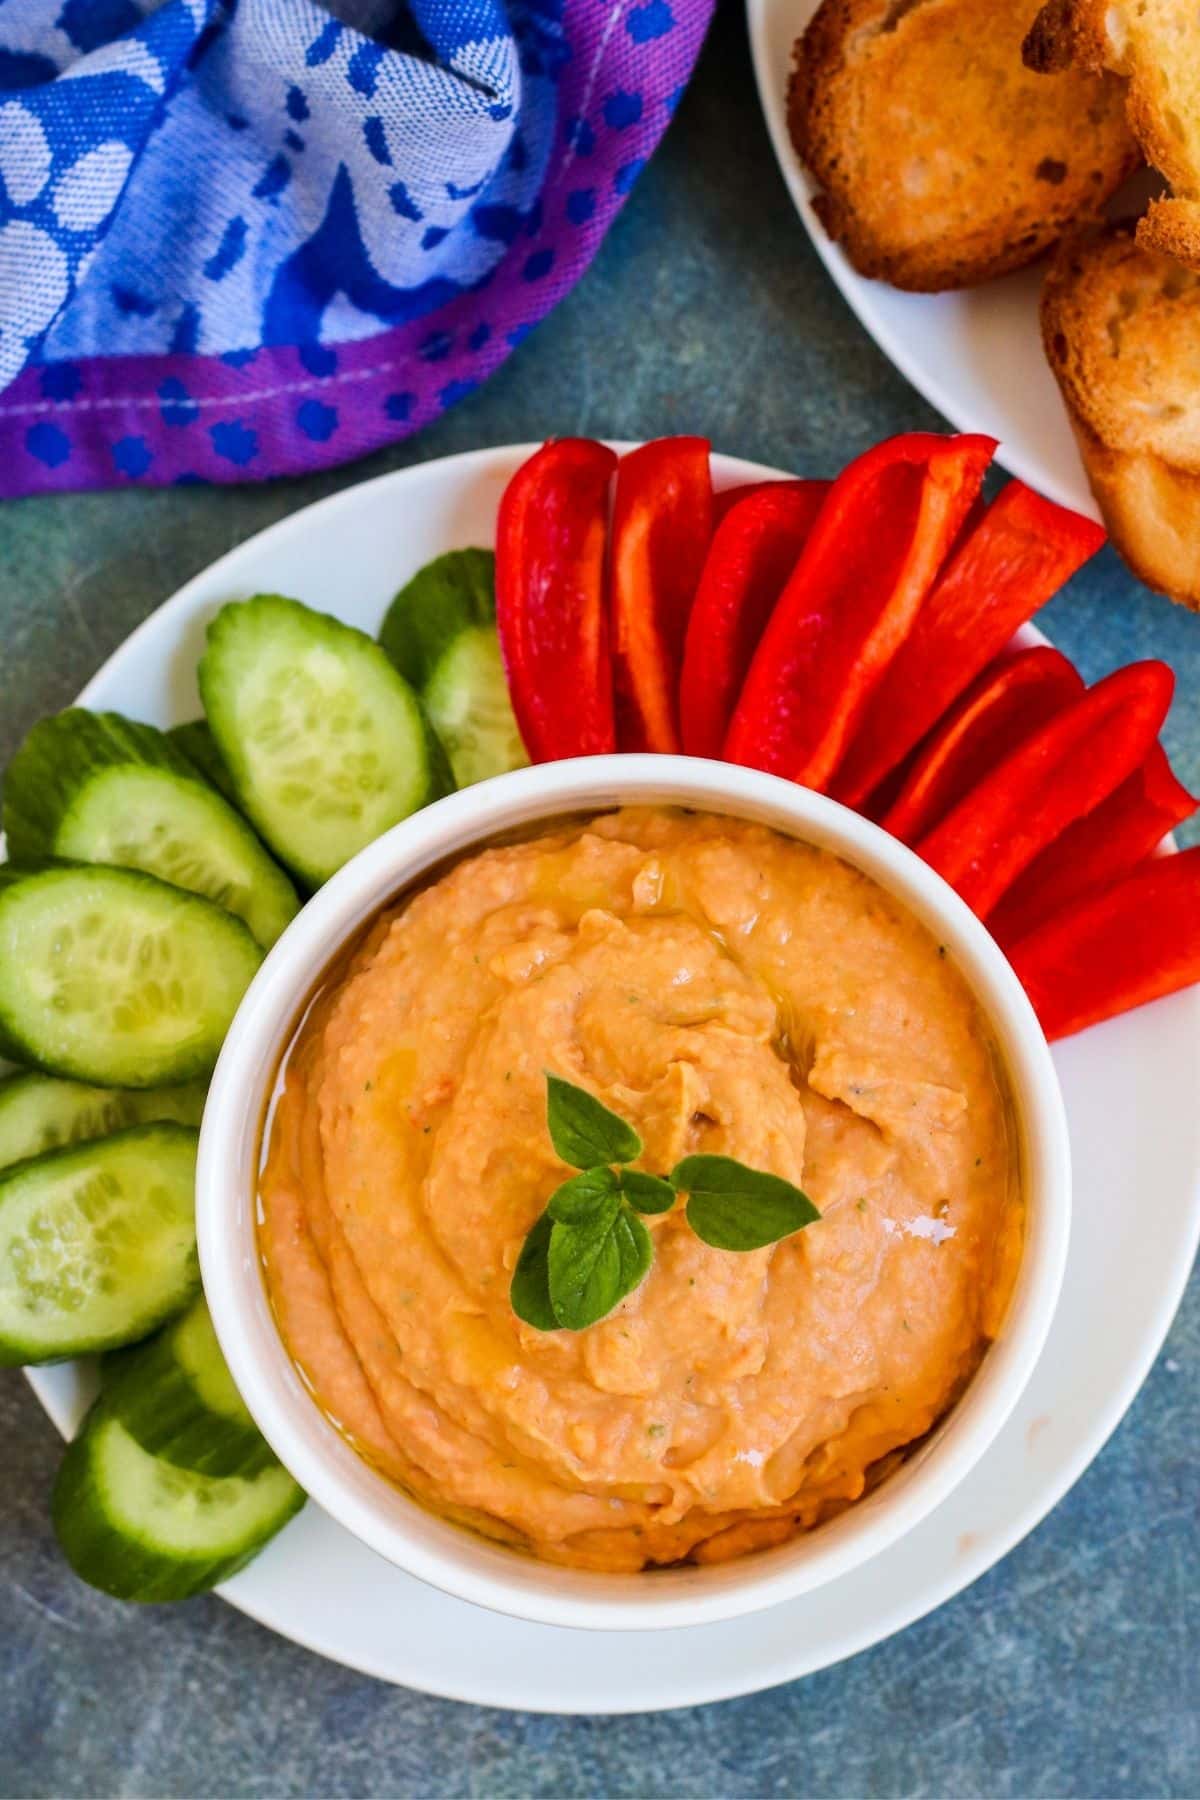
(137, 1527)
(39, 1113)
(98, 788)
(97, 1243)
(110, 976)
(440, 632)
(467, 699)
(328, 746)
(196, 741)
(175, 1396)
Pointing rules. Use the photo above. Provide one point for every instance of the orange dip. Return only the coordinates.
(725, 989)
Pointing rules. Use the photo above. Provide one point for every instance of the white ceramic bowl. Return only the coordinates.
(320, 1458)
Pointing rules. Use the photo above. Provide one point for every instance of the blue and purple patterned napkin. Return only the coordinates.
(245, 238)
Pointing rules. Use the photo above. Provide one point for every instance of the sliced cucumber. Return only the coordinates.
(98, 788)
(327, 744)
(174, 1395)
(468, 701)
(140, 1528)
(196, 741)
(110, 976)
(97, 1243)
(41, 1112)
(440, 632)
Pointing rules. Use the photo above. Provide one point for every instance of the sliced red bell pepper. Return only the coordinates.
(1098, 849)
(550, 612)
(873, 552)
(1008, 564)
(754, 550)
(1053, 778)
(725, 498)
(1115, 949)
(661, 530)
(1008, 702)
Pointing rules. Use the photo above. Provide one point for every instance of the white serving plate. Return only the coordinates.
(1130, 1088)
(975, 355)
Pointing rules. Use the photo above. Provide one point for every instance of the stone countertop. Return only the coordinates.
(1072, 1668)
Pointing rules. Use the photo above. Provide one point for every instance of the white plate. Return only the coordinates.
(1130, 1089)
(975, 355)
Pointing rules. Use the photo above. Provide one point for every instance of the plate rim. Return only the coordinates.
(856, 289)
(967, 1568)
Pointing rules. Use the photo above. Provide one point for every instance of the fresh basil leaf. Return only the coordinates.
(583, 1130)
(530, 1289)
(648, 1193)
(732, 1207)
(576, 1200)
(583, 1265)
(595, 1264)
(635, 1250)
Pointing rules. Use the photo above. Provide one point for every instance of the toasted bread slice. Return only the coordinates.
(1121, 326)
(1155, 46)
(942, 159)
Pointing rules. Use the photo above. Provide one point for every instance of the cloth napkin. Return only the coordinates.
(248, 238)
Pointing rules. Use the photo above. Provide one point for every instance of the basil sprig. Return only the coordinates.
(582, 1129)
(530, 1289)
(732, 1207)
(649, 1193)
(595, 1262)
(589, 1249)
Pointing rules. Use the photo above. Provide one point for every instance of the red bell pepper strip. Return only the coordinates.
(1115, 949)
(1053, 778)
(1098, 849)
(871, 557)
(1019, 553)
(1008, 703)
(754, 550)
(550, 612)
(661, 530)
(726, 498)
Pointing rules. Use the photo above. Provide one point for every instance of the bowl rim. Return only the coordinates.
(372, 1508)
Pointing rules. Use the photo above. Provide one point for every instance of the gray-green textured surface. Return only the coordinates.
(1074, 1667)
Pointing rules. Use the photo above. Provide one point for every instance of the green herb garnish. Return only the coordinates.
(647, 1193)
(732, 1207)
(589, 1249)
(530, 1290)
(582, 1129)
(595, 1263)
(585, 1196)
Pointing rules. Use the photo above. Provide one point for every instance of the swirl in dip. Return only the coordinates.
(726, 989)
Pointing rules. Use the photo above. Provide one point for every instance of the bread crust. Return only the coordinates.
(1121, 327)
(1154, 46)
(1172, 227)
(941, 160)
(1068, 33)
